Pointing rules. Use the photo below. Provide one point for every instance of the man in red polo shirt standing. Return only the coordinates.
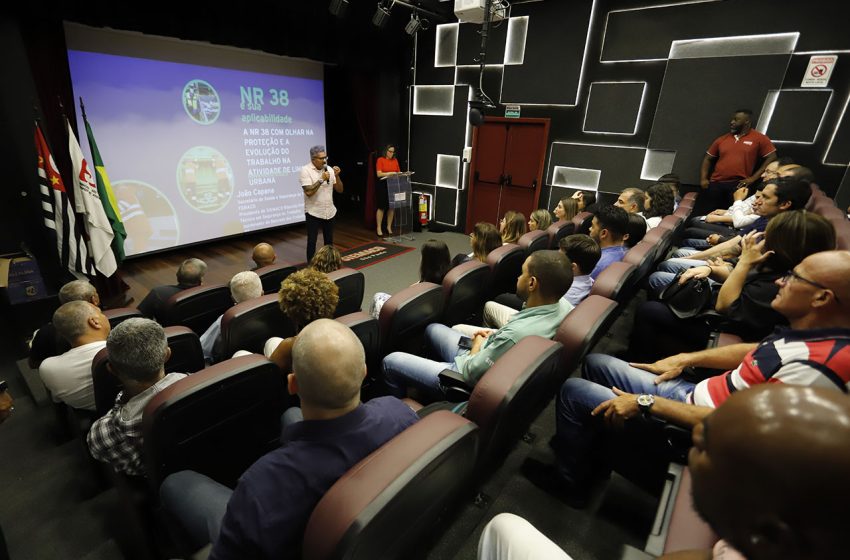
(738, 159)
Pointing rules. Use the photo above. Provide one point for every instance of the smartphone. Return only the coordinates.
(465, 342)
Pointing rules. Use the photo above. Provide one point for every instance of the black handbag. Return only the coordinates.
(689, 299)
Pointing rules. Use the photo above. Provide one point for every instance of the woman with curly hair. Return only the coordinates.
(512, 226)
(304, 296)
(658, 203)
(327, 259)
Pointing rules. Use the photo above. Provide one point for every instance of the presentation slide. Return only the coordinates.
(196, 151)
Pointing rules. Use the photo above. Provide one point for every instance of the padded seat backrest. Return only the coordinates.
(463, 291)
(582, 327)
(216, 422)
(687, 530)
(272, 275)
(512, 393)
(119, 314)
(247, 325)
(187, 356)
(405, 315)
(615, 282)
(534, 241)
(660, 238)
(842, 234)
(198, 307)
(682, 212)
(671, 222)
(643, 256)
(384, 505)
(505, 267)
(351, 285)
(560, 230)
(368, 331)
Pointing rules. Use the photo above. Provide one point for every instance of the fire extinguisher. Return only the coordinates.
(423, 210)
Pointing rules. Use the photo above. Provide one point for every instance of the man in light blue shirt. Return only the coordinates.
(546, 276)
(609, 225)
(243, 286)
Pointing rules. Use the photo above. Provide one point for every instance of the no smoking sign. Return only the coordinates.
(819, 70)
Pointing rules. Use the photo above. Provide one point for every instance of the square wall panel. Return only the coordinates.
(614, 107)
(433, 100)
(448, 171)
(797, 115)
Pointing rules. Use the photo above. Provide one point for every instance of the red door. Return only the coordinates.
(507, 168)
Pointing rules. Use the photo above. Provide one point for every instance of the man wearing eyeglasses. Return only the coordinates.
(319, 181)
(814, 351)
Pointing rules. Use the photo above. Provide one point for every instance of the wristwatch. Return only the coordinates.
(645, 403)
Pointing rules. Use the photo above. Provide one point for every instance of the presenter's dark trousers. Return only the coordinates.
(313, 226)
(717, 195)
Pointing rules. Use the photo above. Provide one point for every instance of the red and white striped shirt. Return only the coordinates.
(814, 357)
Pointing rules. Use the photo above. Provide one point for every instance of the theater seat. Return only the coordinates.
(368, 331)
(560, 230)
(197, 307)
(505, 267)
(119, 314)
(351, 285)
(615, 282)
(388, 503)
(643, 256)
(842, 234)
(534, 241)
(405, 315)
(581, 328)
(247, 325)
(272, 275)
(463, 293)
(186, 357)
(216, 422)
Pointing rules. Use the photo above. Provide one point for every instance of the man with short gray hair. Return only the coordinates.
(319, 183)
(138, 351)
(46, 342)
(68, 376)
(243, 286)
(189, 275)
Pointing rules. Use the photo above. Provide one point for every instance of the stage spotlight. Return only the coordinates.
(478, 107)
(338, 7)
(413, 25)
(381, 17)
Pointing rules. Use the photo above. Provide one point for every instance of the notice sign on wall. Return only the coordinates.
(819, 70)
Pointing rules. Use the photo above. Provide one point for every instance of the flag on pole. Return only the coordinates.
(87, 201)
(107, 196)
(58, 210)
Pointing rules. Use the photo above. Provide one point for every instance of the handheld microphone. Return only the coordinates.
(325, 168)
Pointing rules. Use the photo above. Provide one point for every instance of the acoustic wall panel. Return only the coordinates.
(696, 103)
(432, 134)
(446, 206)
(575, 177)
(433, 100)
(617, 165)
(657, 163)
(554, 56)
(515, 42)
(445, 50)
(838, 150)
(796, 115)
(614, 107)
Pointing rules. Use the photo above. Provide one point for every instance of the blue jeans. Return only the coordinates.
(700, 244)
(659, 279)
(577, 430)
(198, 504)
(402, 369)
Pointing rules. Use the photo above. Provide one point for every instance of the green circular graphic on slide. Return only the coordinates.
(205, 179)
(201, 102)
(149, 218)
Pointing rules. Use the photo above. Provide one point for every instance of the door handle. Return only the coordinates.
(475, 176)
(534, 184)
(502, 179)
(508, 180)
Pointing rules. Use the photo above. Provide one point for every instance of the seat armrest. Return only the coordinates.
(455, 386)
(680, 443)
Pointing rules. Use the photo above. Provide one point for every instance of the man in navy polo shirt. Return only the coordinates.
(266, 514)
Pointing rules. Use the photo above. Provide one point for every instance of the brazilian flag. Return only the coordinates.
(107, 197)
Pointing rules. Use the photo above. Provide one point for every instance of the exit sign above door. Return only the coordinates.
(512, 111)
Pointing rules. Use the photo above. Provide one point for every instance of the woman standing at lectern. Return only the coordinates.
(387, 165)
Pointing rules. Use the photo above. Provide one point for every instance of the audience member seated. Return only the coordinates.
(707, 231)
(672, 181)
(68, 376)
(483, 239)
(586, 203)
(546, 277)
(263, 255)
(327, 259)
(635, 231)
(583, 254)
(243, 286)
(265, 516)
(566, 209)
(747, 291)
(658, 202)
(305, 296)
(46, 342)
(434, 264)
(763, 471)
(540, 219)
(512, 226)
(608, 227)
(190, 274)
(815, 299)
(632, 200)
(782, 195)
(137, 355)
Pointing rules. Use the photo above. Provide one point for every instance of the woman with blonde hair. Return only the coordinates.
(566, 209)
(512, 226)
(540, 219)
(484, 238)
